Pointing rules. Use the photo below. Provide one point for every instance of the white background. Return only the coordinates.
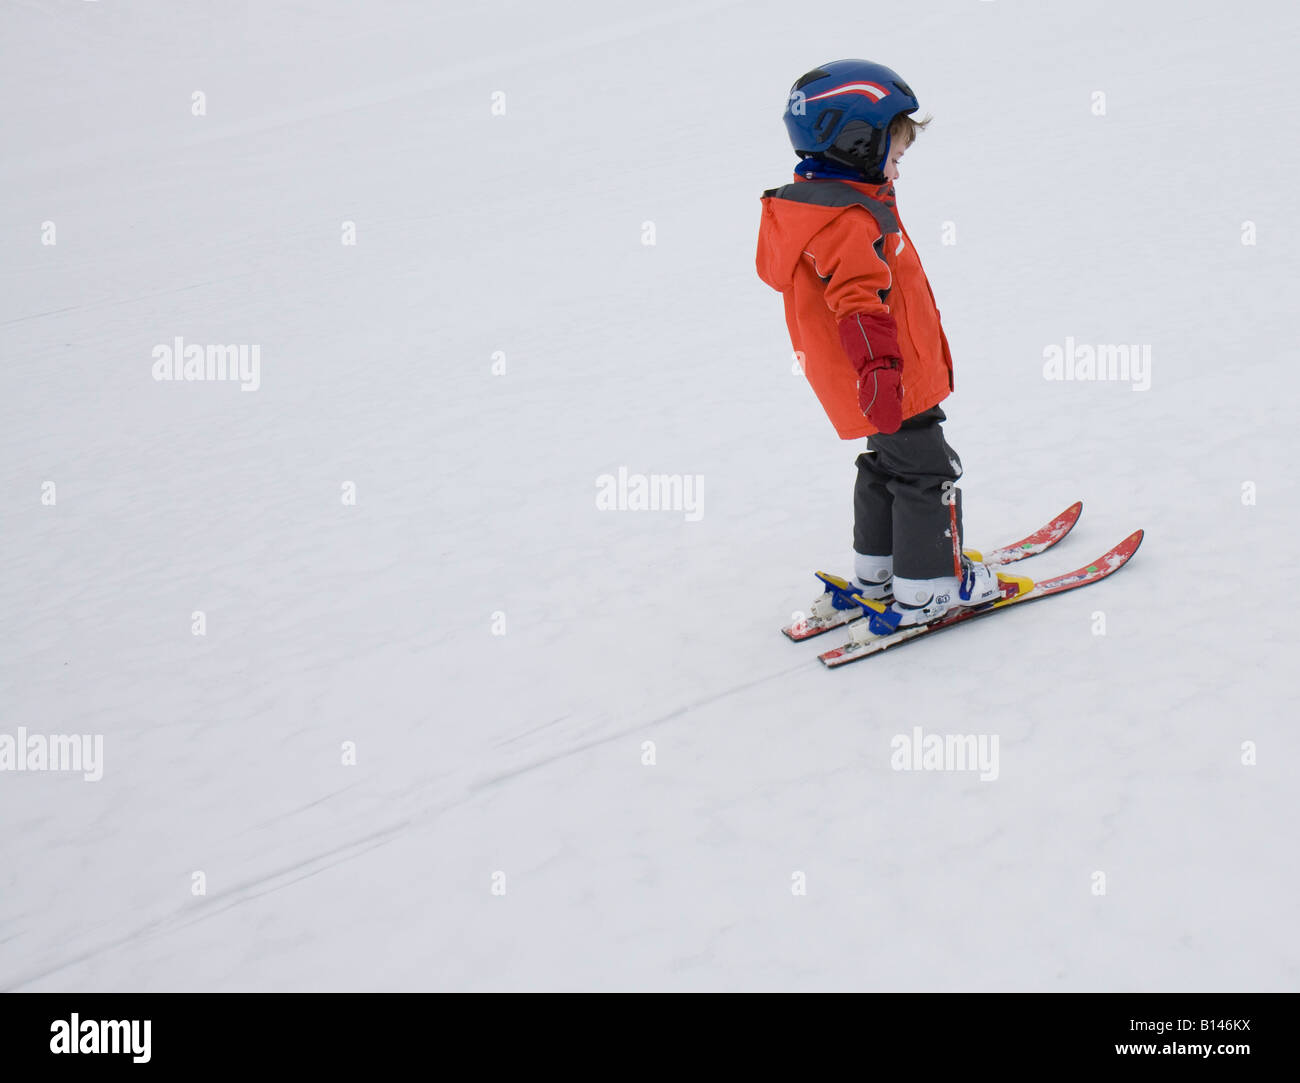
(522, 753)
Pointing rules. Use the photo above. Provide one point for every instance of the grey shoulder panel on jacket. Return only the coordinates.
(829, 193)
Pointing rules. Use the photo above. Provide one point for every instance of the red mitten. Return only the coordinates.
(880, 394)
(871, 342)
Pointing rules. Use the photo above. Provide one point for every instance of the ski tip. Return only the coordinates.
(1127, 549)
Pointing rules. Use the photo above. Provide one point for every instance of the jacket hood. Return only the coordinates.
(788, 224)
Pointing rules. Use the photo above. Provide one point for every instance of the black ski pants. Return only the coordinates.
(906, 501)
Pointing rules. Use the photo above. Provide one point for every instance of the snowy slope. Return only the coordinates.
(516, 239)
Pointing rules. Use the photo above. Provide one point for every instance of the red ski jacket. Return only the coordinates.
(835, 249)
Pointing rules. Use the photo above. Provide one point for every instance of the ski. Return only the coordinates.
(1015, 589)
(836, 607)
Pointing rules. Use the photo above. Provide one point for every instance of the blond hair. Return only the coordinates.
(903, 129)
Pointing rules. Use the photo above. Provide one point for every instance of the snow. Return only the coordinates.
(516, 761)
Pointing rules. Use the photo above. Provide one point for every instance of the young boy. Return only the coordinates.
(861, 314)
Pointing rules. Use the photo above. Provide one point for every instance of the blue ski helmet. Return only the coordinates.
(841, 112)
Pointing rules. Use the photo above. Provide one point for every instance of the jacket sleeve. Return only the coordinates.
(845, 257)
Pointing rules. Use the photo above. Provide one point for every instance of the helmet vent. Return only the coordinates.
(811, 77)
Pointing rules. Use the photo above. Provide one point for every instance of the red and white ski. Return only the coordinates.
(1015, 589)
(835, 608)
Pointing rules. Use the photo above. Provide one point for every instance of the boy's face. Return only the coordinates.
(895, 156)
